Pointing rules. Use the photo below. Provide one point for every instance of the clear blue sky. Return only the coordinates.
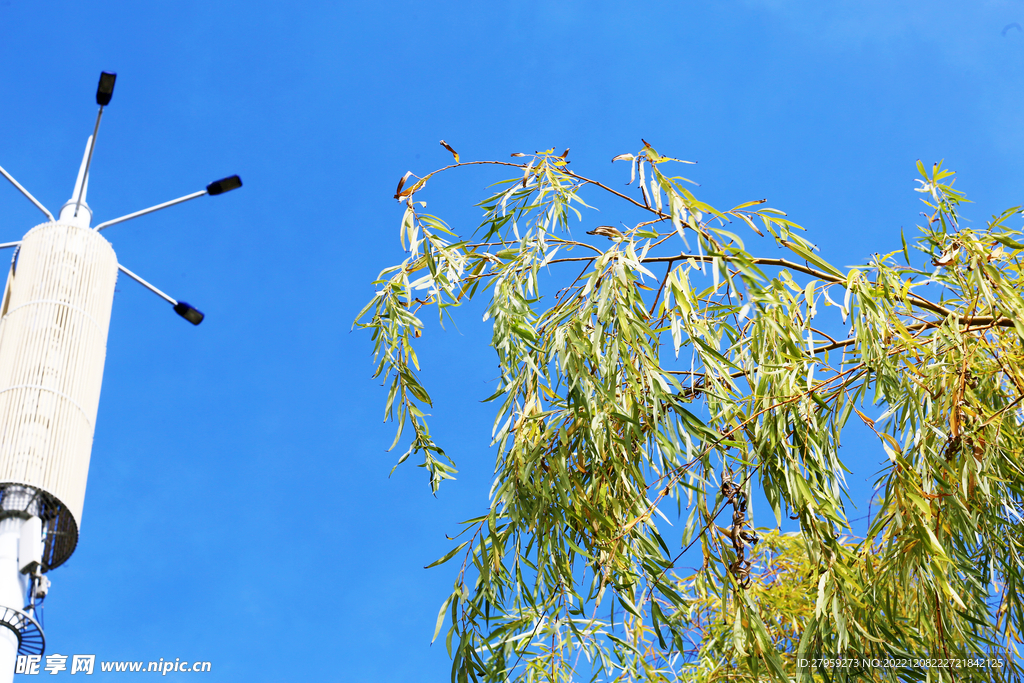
(239, 509)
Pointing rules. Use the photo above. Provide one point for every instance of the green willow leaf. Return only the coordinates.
(647, 398)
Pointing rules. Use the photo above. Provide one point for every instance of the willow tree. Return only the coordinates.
(663, 366)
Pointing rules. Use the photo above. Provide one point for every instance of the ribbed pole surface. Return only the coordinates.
(53, 337)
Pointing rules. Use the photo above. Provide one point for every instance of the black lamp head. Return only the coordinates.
(224, 185)
(189, 313)
(105, 90)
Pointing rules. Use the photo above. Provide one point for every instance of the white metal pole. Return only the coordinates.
(88, 158)
(171, 300)
(151, 209)
(26, 193)
(69, 212)
(11, 592)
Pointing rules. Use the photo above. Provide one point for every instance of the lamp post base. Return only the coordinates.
(21, 633)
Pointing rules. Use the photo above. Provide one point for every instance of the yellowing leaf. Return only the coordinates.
(449, 148)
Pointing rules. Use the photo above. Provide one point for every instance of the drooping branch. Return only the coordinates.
(593, 433)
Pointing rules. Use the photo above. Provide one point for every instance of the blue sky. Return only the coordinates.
(239, 508)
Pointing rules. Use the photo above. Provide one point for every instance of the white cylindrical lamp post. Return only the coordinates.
(54, 319)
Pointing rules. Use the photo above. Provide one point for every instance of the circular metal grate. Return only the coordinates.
(31, 640)
(61, 531)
